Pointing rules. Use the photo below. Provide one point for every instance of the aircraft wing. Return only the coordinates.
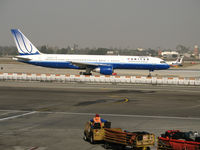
(84, 65)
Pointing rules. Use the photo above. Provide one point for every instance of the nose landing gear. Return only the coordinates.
(150, 73)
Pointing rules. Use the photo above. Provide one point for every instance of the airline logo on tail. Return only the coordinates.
(180, 59)
(24, 46)
(176, 63)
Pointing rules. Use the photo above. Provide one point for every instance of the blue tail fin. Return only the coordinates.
(24, 46)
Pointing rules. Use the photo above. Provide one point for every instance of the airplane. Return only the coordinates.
(103, 64)
(176, 63)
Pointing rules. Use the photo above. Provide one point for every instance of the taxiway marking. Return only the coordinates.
(91, 114)
(17, 116)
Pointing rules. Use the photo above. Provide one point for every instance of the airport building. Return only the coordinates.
(169, 54)
(196, 51)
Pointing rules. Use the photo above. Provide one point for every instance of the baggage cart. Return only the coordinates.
(177, 140)
(116, 138)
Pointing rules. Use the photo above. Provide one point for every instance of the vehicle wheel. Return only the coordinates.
(148, 148)
(91, 140)
(85, 137)
(106, 145)
(137, 148)
(123, 147)
(120, 147)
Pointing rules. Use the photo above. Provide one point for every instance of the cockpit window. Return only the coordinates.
(162, 62)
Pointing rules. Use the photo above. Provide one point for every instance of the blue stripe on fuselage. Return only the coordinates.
(36, 53)
(115, 65)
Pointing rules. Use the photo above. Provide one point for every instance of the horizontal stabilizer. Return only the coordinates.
(21, 58)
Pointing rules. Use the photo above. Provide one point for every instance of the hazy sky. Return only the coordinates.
(102, 23)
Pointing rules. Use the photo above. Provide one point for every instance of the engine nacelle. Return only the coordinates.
(106, 70)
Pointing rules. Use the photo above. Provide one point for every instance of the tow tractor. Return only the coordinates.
(177, 140)
(95, 132)
(116, 138)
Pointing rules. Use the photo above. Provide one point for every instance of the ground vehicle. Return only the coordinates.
(95, 132)
(177, 140)
(116, 138)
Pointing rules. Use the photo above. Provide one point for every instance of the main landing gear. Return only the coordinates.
(87, 72)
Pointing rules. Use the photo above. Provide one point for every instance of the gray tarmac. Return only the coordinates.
(190, 71)
(51, 116)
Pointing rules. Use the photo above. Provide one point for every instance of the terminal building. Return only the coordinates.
(196, 51)
(169, 54)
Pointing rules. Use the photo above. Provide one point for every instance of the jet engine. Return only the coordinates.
(106, 70)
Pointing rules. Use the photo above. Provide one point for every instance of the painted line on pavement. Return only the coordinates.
(91, 114)
(122, 115)
(17, 116)
(5, 113)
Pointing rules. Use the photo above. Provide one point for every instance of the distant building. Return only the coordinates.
(110, 52)
(169, 54)
(140, 49)
(159, 52)
(196, 51)
(188, 55)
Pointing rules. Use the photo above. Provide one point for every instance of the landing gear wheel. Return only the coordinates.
(150, 73)
(85, 73)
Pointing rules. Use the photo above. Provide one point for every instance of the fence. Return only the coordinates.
(100, 79)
